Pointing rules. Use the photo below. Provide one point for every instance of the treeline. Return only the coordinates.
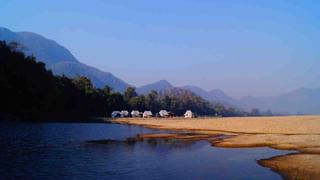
(30, 91)
(223, 111)
(175, 100)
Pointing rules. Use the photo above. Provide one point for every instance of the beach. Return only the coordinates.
(299, 133)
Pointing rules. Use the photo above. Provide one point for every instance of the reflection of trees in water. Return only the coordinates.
(171, 140)
(180, 141)
(172, 143)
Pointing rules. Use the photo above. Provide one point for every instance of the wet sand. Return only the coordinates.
(300, 133)
(295, 166)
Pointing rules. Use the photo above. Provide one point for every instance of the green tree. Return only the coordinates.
(130, 93)
(165, 102)
(220, 109)
(138, 103)
(152, 102)
(84, 84)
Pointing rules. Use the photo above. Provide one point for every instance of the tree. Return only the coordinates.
(231, 112)
(220, 109)
(165, 103)
(255, 112)
(138, 103)
(152, 102)
(114, 102)
(106, 90)
(130, 93)
(84, 84)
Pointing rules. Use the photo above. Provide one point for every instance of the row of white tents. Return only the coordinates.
(147, 114)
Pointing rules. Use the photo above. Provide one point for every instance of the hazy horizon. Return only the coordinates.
(244, 48)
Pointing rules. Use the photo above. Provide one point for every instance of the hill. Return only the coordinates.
(158, 86)
(59, 59)
(299, 101)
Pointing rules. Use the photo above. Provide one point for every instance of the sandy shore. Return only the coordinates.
(295, 166)
(301, 133)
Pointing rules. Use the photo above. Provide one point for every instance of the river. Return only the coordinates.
(62, 151)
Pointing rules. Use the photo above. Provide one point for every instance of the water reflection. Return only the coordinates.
(151, 143)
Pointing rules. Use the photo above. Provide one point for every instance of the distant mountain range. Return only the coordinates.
(214, 96)
(59, 59)
(300, 101)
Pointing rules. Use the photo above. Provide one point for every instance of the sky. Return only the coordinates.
(245, 48)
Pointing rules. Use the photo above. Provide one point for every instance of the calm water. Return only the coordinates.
(60, 151)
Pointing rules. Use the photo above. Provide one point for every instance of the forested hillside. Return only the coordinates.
(29, 91)
(59, 59)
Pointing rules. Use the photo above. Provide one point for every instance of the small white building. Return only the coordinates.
(124, 113)
(115, 114)
(188, 114)
(147, 114)
(163, 113)
(135, 113)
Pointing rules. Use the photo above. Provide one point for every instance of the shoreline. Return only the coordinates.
(299, 133)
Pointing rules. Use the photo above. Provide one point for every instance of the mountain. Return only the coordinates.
(59, 59)
(98, 78)
(43, 49)
(300, 101)
(214, 96)
(158, 86)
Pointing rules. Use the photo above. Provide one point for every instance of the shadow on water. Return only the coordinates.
(168, 143)
(170, 140)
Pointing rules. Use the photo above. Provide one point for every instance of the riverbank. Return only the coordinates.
(300, 133)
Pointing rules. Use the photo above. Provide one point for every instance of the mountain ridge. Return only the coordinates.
(299, 101)
(158, 86)
(59, 59)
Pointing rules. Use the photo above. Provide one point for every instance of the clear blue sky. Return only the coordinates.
(251, 47)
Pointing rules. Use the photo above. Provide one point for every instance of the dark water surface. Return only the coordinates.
(60, 151)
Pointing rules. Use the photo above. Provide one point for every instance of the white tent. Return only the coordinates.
(124, 113)
(188, 114)
(115, 114)
(163, 113)
(135, 113)
(147, 114)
